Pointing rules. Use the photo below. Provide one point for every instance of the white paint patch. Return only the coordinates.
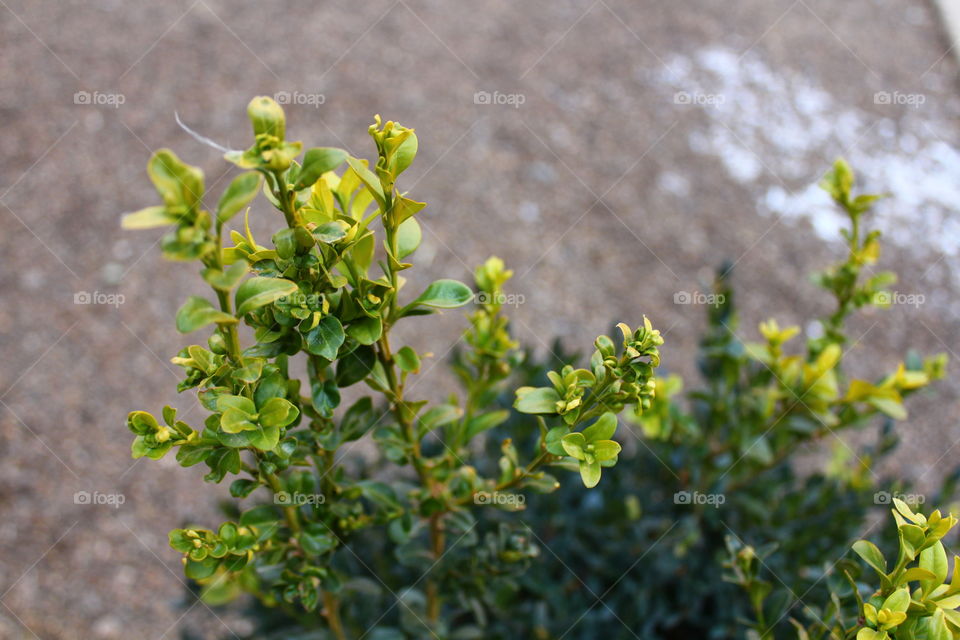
(777, 132)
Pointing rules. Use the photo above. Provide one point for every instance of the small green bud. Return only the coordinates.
(267, 117)
(217, 344)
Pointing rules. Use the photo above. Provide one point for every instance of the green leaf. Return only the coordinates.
(536, 400)
(445, 294)
(191, 454)
(409, 236)
(405, 208)
(913, 574)
(317, 543)
(179, 184)
(243, 487)
(240, 403)
(368, 178)
(938, 626)
(261, 517)
(226, 280)
(405, 153)
(278, 412)
(889, 406)
(357, 420)
(437, 417)
(573, 444)
(241, 191)
(202, 569)
(602, 429)
(236, 421)
(871, 555)
(366, 330)
(265, 438)
(260, 291)
(553, 441)
(142, 423)
(911, 539)
(330, 232)
(380, 494)
(237, 414)
(899, 600)
(326, 338)
(590, 473)
(222, 462)
(355, 366)
(149, 218)
(934, 560)
(485, 421)
(408, 360)
(605, 450)
(197, 312)
(316, 162)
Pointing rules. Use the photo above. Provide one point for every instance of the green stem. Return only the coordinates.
(331, 605)
(286, 199)
(409, 429)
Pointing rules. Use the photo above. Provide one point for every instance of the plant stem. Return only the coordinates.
(409, 429)
(286, 204)
(437, 543)
(289, 511)
(332, 606)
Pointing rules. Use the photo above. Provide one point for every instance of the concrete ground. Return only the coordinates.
(611, 151)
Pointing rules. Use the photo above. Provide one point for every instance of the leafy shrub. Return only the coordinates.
(425, 541)
(384, 552)
(858, 606)
(644, 555)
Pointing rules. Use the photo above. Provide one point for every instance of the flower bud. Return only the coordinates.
(267, 117)
(217, 344)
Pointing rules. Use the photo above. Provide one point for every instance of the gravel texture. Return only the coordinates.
(626, 149)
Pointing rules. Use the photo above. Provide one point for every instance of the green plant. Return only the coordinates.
(734, 441)
(913, 601)
(323, 295)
